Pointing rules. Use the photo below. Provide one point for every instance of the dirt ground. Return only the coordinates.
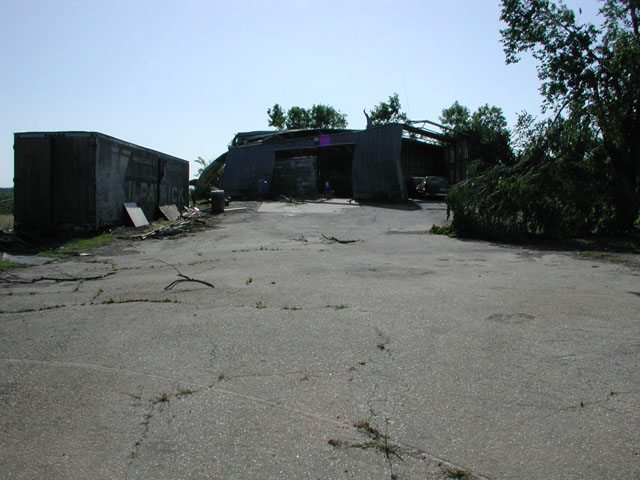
(339, 341)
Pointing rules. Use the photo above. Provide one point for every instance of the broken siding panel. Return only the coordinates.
(245, 166)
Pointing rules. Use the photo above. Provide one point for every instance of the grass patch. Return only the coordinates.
(259, 304)
(597, 255)
(79, 245)
(442, 230)
(7, 265)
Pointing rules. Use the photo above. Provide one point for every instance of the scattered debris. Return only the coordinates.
(184, 278)
(337, 240)
(179, 226)
(286, 199)
(235, 209)
(187, 279)
(136, 214)
(170, 212)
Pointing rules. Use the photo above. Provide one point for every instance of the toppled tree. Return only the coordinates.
(575, 173)
(318, 116)
(591, 73)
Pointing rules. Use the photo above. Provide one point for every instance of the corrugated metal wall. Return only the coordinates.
(32, 181)
(377, 173)
(73, 179)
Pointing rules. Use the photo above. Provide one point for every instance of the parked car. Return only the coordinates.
(433, 186)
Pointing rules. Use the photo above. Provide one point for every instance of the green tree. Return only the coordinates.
(298, 117)
(591, 75)
(325, 116)
(277, 117)
(388, 112)
(318, 116)
(489, 138)
(456, 117)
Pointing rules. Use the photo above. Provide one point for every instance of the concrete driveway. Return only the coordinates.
(397, 355)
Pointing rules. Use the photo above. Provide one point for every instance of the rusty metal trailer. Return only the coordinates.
(80, 180)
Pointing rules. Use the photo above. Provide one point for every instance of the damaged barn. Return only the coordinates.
(372, 164)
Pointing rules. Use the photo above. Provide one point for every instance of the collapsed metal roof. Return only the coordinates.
(410, 129)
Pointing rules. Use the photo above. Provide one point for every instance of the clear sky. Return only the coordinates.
(184, 76)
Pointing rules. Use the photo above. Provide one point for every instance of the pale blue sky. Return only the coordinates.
(183, 77)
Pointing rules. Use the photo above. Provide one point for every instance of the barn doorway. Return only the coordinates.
(313, 172)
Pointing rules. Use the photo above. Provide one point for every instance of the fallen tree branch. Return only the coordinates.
(55, 279)
(186, 279)
(337, 240)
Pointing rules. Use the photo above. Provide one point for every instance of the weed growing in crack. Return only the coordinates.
(160, 399)
(259, 304)
(222, 376)
(183, 391)
(291, 307)
(111, 300)
(337, 307)
(98, 293)
(40, 309)
(249, 281)
(457, 473)
(78, 286)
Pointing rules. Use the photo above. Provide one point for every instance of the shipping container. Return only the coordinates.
(80, 181)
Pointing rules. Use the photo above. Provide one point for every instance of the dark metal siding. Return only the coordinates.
(32, 182)
(73, 179)
(377, 173)
(245, 166)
